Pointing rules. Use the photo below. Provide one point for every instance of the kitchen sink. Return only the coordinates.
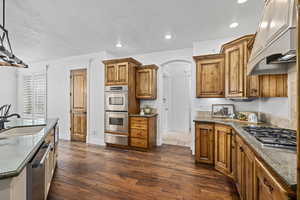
(22, 131)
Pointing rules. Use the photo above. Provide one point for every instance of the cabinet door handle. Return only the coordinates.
(241, 149)
(269, 186)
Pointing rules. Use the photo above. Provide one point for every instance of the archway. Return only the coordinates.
(175, 102)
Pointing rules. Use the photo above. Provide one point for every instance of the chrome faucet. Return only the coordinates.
(3, 119)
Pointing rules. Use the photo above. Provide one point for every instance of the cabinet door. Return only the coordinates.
(210, 76)
(253, 86)
(110, 74)
(223, 139)
(235, 70)
(233, 155)
(122, 73)
(273, 85)
(204, 143)
(239, 166)
(265, 185)
(146, 84)
(248, 180)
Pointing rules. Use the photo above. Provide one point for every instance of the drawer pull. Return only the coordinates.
(269, 186)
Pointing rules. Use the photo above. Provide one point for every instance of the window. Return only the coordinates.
(35, 95)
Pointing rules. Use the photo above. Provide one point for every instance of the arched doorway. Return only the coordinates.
(176, 103)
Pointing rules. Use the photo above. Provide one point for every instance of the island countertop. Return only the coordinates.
(282, 161)
(15, 152)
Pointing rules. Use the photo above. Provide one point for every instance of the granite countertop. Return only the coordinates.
(139, 115)
(282, 161)
(15, 152)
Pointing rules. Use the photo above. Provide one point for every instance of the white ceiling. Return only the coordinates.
(43, 30)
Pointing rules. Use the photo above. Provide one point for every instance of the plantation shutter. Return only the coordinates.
(35, 95)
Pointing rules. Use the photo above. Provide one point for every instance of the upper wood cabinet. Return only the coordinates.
(237, 83)
(146, 82)
(204, 143)
(223, 151)
(120, 71)
(210, 76)
(274, 85)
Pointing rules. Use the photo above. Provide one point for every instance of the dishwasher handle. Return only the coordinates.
(41, 162)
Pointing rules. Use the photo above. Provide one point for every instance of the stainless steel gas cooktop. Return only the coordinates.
(273, 137)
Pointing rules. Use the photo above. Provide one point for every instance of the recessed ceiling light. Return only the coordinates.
(168, 36)
(119, 45)
(234, 25)
(242, 1)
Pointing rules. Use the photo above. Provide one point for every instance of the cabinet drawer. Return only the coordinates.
(138, 120)
(266, 186)
(138, 133)
(141, 143)
(139, 123)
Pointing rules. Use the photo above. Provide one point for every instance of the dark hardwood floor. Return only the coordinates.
(88, 172)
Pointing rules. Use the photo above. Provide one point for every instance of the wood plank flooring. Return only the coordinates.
(88, 172)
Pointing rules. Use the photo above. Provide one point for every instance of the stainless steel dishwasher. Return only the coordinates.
(36, 174)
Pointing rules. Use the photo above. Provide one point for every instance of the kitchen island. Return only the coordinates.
(17, 150)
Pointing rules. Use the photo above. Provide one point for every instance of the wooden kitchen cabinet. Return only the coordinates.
(236, 159)
(210, 76)
(265, 186)
(204, 146)
(273, 85)
(239, 176)
(120, 71)
(146, 82)
(237, 83)
(245, 170)
(143, 131)
(223, 148)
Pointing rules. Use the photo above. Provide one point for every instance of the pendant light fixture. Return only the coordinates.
(7, 57)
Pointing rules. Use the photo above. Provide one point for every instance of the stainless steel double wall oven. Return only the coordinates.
(116, 115)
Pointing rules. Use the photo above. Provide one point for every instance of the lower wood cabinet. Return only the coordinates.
(220, 145)
(245, 170)
(223, 143)
(205, 143)
(143, 132)
(265, 186)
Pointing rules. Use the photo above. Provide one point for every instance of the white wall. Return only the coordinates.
(8, 87)
(161, 59)
(58, 101)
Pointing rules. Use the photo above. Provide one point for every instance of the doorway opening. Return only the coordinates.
(176, 103)
(78, 102)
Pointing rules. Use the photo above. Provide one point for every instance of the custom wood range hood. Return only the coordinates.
(7, 57)
(275, 42)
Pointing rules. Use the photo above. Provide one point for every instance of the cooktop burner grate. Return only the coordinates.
(273, 137)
